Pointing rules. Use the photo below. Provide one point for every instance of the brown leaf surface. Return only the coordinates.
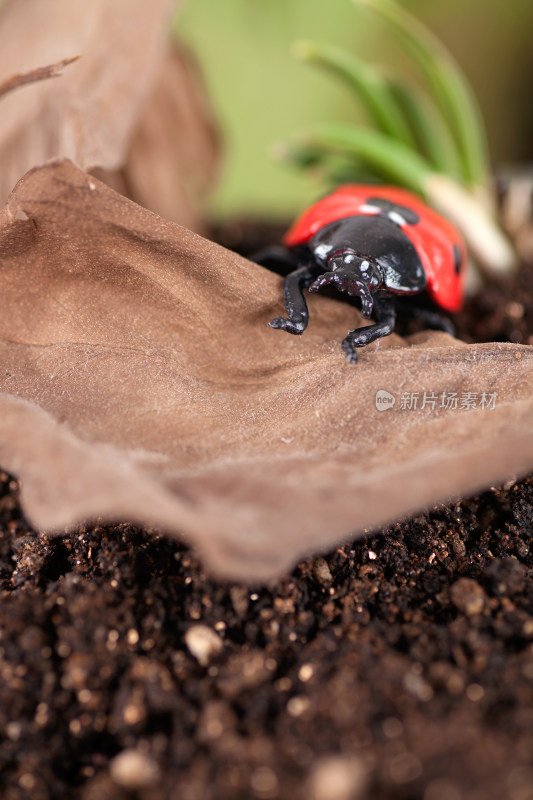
(140, 381)
(129, 110)
(173, 160)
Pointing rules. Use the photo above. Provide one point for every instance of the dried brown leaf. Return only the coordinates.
(172, 163)
(140, 381)
(91, 114)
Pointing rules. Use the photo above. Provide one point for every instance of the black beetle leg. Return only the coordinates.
(295, 302)
(385, 313)
(435, 320)
(280, 258)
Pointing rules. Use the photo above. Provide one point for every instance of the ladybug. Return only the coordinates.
(381, 244)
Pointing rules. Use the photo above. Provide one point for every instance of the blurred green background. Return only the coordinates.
(261, 94)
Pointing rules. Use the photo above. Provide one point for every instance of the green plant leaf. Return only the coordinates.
(333, 167)
(432, 135)
(386, 157)
(449, 87)
(371, 88)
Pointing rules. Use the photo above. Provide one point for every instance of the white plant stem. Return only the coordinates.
(488, 244)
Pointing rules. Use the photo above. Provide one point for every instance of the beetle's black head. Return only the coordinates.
(353, 273)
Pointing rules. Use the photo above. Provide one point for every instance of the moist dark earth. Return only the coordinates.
(399, 666)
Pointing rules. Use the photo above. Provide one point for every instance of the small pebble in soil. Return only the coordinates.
(204, 643)
(264, 783)
(468, 596)
(134, 770)
(306, 672)
(322, 571)
(338, 778)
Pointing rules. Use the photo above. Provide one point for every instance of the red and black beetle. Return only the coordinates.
(379, 243)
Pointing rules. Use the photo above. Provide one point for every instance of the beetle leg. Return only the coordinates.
(277, 256)
(385, 313)
(435, 320)
(295, 302)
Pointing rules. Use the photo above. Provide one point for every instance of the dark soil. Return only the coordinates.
(400, 666)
